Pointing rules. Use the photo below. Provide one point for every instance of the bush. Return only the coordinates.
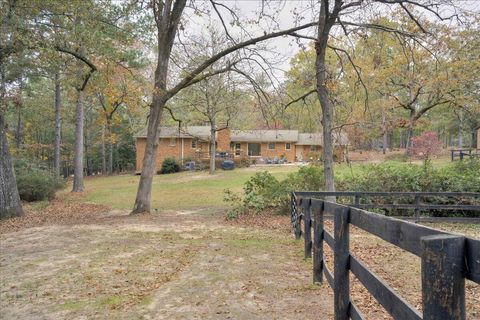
(235, 201)
(36, 183)
(260, 192)
(391, 177)
(264, 191)
(169, 165)
(307, 178)
(426, 145)
(242, 162)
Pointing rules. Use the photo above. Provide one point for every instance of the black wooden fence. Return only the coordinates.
(360, 199)
(447, 259)
(462, 153)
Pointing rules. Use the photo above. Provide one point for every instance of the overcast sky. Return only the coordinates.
(286, 16)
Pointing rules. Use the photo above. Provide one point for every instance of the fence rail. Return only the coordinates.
(417, 205)
(447, 259)
(462, 153)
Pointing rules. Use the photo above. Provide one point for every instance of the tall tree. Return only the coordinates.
(116, 87)
(97, 30)
(167, 16)
(58, 126)
(339, 13)
(10, 205)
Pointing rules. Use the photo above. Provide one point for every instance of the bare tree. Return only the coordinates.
(216, 100)
(167, 16)
(83, 78)
(346, 17)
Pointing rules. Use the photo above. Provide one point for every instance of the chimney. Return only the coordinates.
(223, 139)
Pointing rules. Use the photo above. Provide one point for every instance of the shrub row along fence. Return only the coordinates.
(422, 201)
(446, 259)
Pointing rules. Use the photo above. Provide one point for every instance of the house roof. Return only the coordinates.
(312, 139)
(264, 135)
(202, 132)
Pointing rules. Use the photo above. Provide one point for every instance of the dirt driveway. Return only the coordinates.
(169, 265)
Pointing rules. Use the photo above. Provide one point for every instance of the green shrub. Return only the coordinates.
(36, 183)
(396, 177)
(235, 202)
(261, 191)
(169, 165)
(264, 191)
(307, 178)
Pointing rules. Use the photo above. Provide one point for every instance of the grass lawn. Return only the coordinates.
(194, 190)
(180, 191)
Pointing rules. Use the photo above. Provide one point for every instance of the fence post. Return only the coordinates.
(357, 200)
(417, 210)
(295, 207)
(318, 245)
(443, 282)
(307, 224)
(341, 257)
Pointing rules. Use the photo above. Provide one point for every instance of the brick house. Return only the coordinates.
(192, 143)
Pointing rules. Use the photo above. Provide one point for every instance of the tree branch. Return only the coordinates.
(181, 85)
(302, 97)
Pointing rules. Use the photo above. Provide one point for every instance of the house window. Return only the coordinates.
(313, 148)
(254, 149)
(271, 146)
(194, 143)
(173, 142)
(288, 146)
(237, 149)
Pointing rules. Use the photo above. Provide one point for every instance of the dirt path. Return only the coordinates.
(170, 265)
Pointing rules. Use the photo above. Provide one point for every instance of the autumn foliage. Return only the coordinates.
(426, 145)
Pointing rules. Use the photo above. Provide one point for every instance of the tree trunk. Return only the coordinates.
(10, 205)
(58, 126)
(104, 154)
(78, 156)
(385, 133)
(86, 152)
(110, 157)
(460, 130)
(473, 133)
(110, 146)
(142, 201)
(322, 92)
(212, 147)
(408, 142)
(167, 22)
(18, 129)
